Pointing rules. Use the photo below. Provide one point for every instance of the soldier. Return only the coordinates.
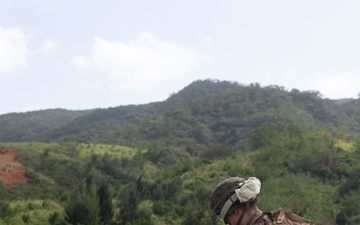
(234, 200)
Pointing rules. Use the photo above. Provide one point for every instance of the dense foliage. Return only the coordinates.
(207, 111)
(31, 125)
(157, 163)
(309, 171)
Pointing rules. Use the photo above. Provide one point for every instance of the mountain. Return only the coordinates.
(206, 111)
(157, 163)
(31, 125)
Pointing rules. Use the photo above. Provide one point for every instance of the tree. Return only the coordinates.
(5, 210)
(129, 199)
(105, 203)
(83, 209)
(350, 210)
(56, 219)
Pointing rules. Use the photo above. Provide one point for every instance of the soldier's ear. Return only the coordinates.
(234, 215)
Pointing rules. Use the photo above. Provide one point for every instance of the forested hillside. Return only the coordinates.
(157, 163)
(32, 125)
(207, 111)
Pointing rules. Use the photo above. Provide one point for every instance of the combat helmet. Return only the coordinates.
(232, 191)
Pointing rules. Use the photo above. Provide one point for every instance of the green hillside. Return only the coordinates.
(208, 111)
(304, 170)
(157, 163)
(17, 127)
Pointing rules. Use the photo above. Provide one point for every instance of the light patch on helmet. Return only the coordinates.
(249, 190)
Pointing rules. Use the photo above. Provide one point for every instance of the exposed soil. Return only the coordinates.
(11, 170)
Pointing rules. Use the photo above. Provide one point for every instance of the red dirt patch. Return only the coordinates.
(11, 171)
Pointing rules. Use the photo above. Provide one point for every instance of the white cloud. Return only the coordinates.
(80, 62)
(93, 85)
(139, 63)
(345, 85)
(48, 46)
(13, 49)
(208, 40)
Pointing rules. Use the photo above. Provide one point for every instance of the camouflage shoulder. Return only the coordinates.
(287, 217)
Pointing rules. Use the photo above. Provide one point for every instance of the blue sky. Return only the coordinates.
(97, 54)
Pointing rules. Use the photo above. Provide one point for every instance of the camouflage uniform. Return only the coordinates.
(236, 191)
(280, 216)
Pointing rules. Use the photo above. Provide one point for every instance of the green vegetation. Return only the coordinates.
(28, 211)
(157, 163)
(301, 169)
(28, 126)
(206, 112)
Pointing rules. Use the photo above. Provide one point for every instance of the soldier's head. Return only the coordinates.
(233, 193)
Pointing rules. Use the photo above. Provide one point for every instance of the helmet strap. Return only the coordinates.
(256, 215)
(246, 206)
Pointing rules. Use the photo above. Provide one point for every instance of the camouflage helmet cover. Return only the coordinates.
(223, 192)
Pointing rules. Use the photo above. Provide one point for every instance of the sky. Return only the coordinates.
(86, 54)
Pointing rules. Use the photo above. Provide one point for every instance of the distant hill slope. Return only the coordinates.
(206, 112)
(29, 126)
(96, 126)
